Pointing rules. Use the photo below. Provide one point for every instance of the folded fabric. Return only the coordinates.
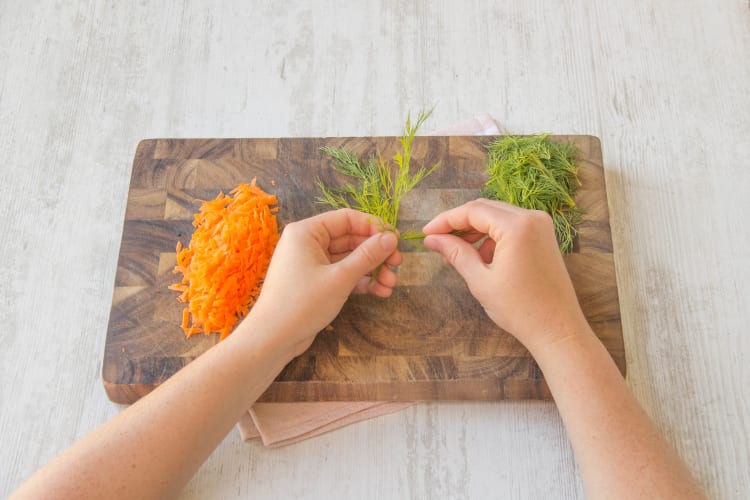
(279, 424)
(479, 125)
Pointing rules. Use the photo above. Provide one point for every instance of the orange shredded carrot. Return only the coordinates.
(226, 261)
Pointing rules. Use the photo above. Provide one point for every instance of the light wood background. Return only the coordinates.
(664, 84)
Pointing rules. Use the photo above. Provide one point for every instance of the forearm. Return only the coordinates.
(619, 451)
(153, 448)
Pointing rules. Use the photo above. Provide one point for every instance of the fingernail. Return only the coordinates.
(388, 241)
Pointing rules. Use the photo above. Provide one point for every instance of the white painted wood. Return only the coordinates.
(664, 84)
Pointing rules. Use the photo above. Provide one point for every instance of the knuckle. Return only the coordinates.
(294, 231)
(453, 256)
(542, 216)
(531, 223)
(292, 227)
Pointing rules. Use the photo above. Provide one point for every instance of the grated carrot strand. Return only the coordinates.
(226, 261)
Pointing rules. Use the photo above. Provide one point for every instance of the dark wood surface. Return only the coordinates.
(429, 341)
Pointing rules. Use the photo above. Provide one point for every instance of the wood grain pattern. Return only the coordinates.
(430, 341)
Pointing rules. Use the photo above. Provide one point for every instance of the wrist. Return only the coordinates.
(571, 334)
(577, 343)
(271, 336)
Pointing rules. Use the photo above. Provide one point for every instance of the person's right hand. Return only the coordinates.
(517, 273)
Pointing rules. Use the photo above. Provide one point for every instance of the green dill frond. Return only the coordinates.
(376, 189)
(344, 161)
(411, 235)
(534, 172)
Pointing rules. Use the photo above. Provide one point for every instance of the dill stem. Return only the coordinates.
(411, 236)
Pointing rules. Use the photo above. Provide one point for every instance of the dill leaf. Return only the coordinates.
(536, 173)
(376, 189)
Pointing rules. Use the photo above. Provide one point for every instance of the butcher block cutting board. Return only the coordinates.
(429, 341)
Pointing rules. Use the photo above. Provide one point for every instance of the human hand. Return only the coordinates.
(517, 273)
(317, 264)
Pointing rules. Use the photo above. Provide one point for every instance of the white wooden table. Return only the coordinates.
(664, 84)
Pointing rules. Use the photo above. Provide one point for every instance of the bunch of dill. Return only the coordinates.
(534, 172)
(378, 190)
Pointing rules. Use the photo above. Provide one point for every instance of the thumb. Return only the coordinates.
(458, 253)
(369, 254)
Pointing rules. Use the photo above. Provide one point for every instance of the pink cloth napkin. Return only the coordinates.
(279, 424)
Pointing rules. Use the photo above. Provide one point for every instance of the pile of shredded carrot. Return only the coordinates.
(227, 258)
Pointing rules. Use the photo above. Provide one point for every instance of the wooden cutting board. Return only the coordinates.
(430, 341)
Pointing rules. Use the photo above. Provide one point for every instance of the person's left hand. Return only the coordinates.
(317, 264)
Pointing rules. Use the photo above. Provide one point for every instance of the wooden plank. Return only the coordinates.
(430, 340)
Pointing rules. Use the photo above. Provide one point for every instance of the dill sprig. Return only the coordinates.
(534, 172)
(378, 190)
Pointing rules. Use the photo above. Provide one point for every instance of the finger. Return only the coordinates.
(386, 277)
(472, 237)
(457, 253)
(345, 221)
(500, 205)
(477, 215)
(362, 285)
(373, 287)
(368, 256)
(346, 243)
(393, 260)
(380, 290)
(339, 256)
